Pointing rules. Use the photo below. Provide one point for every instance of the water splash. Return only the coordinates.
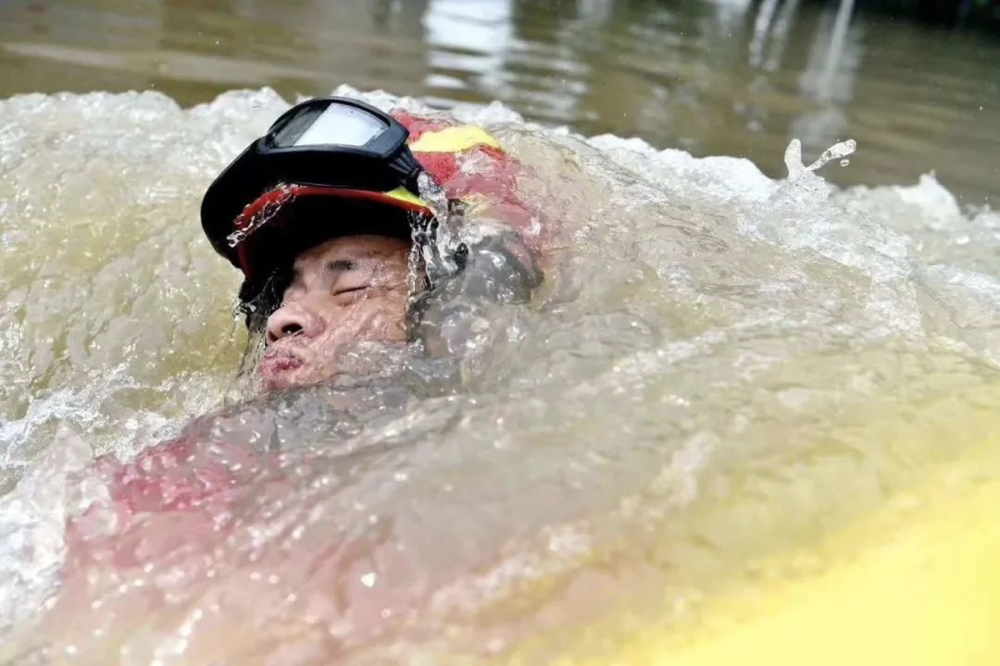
(247, 225)
(793, 156)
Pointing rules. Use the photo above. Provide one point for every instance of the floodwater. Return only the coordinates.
(720, 77)
(722, 374)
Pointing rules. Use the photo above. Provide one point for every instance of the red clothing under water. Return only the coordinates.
(187, 481)
(205, 522)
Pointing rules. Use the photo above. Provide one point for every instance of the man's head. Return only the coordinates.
(319, 215)
(345, 290)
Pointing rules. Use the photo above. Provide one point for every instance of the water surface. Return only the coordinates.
(723, 77)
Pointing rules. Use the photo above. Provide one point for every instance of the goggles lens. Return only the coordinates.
(336, 125)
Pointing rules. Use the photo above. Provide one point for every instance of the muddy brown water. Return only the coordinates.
(722, 77)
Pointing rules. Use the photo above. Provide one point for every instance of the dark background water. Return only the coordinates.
(718, 77)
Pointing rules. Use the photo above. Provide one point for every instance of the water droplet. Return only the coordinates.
(368, 580)
(793, 158)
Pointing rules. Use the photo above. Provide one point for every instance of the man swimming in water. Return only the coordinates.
(325, 218)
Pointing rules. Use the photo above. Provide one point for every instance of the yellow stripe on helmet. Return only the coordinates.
(403, 194)
(453, 140)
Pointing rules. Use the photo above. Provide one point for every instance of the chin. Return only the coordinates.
(271, 380)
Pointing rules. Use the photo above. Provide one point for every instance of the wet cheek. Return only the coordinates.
(388, 327)
(382, 318)
(382, 324)
(371, 320)
(394, 315)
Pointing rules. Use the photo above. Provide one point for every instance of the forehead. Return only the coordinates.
(352, 247)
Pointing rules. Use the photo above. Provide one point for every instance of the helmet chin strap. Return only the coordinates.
(442, 253)
(488, 274)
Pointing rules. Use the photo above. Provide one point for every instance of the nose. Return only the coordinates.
(293, 319)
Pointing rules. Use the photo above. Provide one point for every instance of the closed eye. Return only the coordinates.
(349, 290)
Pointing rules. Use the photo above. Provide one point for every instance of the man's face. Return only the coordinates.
(348, 289)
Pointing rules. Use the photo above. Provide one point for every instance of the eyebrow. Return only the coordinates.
(341, 265)
(344, 265)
